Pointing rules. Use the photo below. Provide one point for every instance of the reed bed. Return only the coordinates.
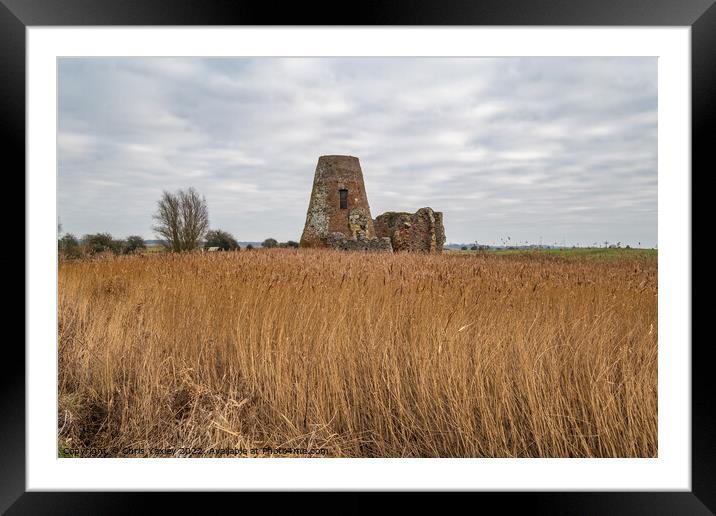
(358, 355)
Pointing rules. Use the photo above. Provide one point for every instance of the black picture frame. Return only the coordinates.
(700, 15)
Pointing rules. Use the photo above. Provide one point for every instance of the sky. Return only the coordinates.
(540, 150)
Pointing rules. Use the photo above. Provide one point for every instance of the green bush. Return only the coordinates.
(99, 243)
(118, 246)
(69, 247)
(103, 242)
(134, 244)
(221, 239)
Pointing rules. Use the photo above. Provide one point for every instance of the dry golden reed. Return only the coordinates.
(360, 355)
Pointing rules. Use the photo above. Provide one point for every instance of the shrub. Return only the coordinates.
(133, 244)
(118, 246)
(103, 242)
(98, 243)
(221, 239)
(69, 246)
(269, 243)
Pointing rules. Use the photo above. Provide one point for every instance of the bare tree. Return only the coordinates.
(182, 218)
(167, 220)
(195, 217)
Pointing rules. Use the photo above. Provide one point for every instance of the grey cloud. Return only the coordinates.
(558, 148)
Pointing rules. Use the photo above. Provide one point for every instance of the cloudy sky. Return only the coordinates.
(537, 149)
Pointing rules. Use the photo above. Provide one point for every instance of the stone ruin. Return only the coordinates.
(419, 231)
(339, 215)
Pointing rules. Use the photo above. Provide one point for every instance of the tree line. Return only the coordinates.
(182, 224)
(71, 247)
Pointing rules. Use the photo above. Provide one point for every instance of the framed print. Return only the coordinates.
(443, 248)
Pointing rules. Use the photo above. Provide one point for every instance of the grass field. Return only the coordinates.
(575, 252)
(506, 354)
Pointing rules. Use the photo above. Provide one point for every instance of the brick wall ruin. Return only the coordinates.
(340, 241)
(421, 231)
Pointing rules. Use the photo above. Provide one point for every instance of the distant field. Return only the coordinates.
(464, 354)
(577, 252)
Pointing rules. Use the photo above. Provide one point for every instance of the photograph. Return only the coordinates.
(357, 257)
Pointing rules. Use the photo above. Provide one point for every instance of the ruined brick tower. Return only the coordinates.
(338, 212)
